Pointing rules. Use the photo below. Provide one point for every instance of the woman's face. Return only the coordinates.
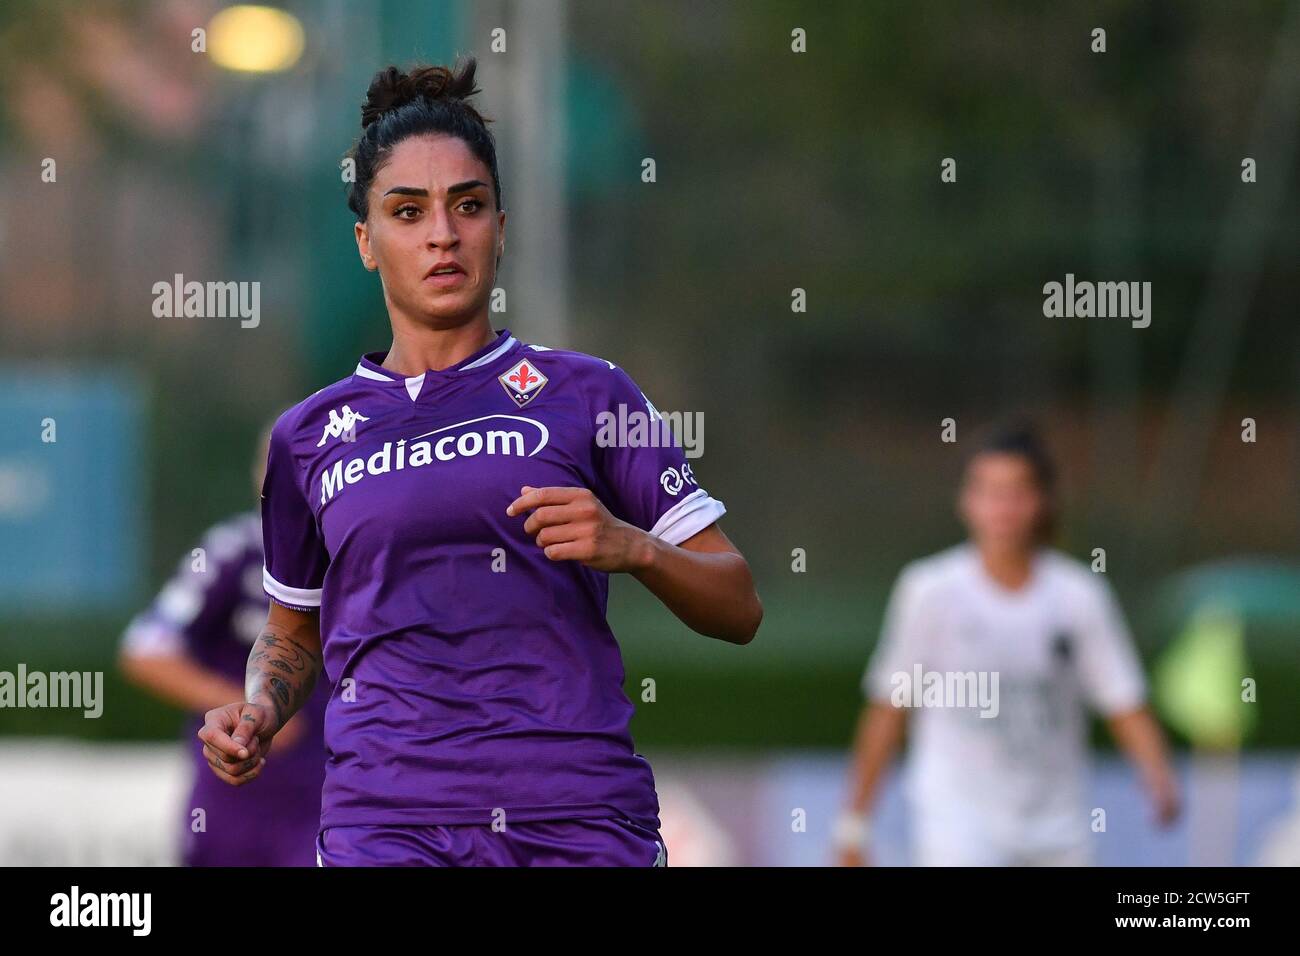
(1001, 502)
(432, 202)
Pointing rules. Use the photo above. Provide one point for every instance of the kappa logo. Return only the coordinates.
(340, 425)
(523, 382)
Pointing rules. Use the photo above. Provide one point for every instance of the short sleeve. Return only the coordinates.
(1109, 669)
(203, 588)
(642, 466)
(903, 636)
(296, 559)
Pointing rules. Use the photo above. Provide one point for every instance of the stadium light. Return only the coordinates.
(255, 39)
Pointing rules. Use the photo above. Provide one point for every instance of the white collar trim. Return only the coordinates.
(415, 382)
(496, 353)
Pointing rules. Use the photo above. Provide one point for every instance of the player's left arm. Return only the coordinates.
(1138, 734)
(1113, 682)
(704, 580)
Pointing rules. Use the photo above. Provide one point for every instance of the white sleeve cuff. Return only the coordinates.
(150, 638)
(293, 598)
(688, 517)
(1123, 700)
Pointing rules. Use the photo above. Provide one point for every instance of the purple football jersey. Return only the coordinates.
(212, 609)
(472, 675)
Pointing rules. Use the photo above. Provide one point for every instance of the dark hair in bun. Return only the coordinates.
(427, 99)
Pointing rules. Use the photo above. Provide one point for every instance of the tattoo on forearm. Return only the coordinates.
(282, 671)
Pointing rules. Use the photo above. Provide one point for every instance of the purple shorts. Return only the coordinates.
(264, 833)
(596, 842)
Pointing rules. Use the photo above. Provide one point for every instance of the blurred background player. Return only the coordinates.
(1001, 785)
(190, 648)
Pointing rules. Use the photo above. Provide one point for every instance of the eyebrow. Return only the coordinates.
(464, 187)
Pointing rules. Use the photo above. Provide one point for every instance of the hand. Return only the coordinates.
(852, 857)
(236, 739)
(570, 524)
(1165, 800)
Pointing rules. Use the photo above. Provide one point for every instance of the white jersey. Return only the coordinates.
(1005, 780)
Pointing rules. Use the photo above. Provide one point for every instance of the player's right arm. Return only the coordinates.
(286, 658)
(282, 670)
(883, 719)
(880, 731)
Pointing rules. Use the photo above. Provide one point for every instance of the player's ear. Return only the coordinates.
(363, 246)
(501, 236)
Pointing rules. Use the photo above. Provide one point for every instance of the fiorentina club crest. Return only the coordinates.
(522, 382)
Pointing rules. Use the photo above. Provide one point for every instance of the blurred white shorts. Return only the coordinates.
(949, 847)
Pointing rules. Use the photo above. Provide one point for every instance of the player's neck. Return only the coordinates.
(1009, 567)
(418, 349)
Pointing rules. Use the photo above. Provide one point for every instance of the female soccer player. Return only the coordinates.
(1025, 635)
(189, 648)
(440, 527)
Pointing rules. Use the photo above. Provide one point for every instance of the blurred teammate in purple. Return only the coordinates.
(189, 648)
(440, 527)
